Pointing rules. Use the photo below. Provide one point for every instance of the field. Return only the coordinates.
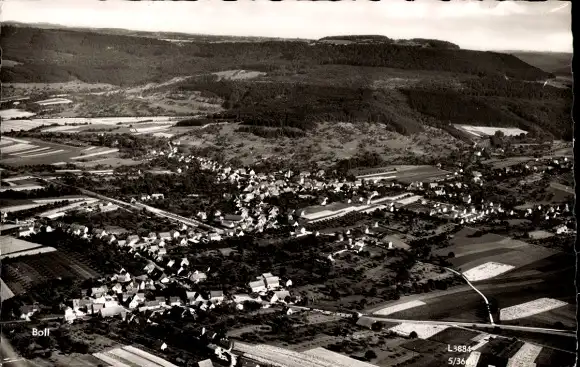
(12, 113)
(29, 152)
(506, 162)
(482, 131)
(486, 271)
(10, 245)
(23, 272)
(424, 331)
(530, 309)
(474, 252)
(550, 277)
(399, 307)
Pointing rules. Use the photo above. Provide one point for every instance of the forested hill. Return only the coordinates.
(417, 42)
(55, 55)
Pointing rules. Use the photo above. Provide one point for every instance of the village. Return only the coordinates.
(365, 212)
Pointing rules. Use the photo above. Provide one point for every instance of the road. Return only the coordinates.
(139, 207)
(475, 289)
(530, 329)
(479, 325)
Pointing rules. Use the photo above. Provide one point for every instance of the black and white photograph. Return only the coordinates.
(292, 183)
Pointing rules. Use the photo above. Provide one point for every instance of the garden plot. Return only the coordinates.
(424, 331)
(530, 308)
(525, 356)
(486, 271)
(400, 307)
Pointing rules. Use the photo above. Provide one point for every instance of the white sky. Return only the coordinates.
(485, 25)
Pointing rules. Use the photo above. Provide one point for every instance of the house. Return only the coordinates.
(365, 322)
(205, 363)
(214, 237)
(234, 218)
(257, 286)
(97, 307)
(149, 267)
(216, 297)
(272, 282)
(69, 315)
(97, 292)
(132, 240)
(561, 229)
(175, 301)
(166, 236)
(78, 229)
(98, 232)
(82, 303)
(198, 277)
(157, 196)
(113, 311)
(174, 233)
(282, 295)
(26, 311)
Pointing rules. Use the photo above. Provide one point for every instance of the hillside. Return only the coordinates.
(296, 84)
(558, 63)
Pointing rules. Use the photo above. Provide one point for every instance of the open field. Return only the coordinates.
(566, 315)
(551, 277)
(13, 113)
(10, 245)
(399, 307)
(455, 336)
(85, 122)
(530, 308)
(23, 272)
(424, 331)
(73, 359)
(5, 291)
(486, 271)
(29, 152)
(506, 162)
(482, 131)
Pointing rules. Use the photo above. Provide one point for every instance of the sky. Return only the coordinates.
(476, 25)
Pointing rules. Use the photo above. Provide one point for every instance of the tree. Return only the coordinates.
(370, 354)
(451, 254)
(413, 335)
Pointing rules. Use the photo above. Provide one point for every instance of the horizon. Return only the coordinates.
(474, 25)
